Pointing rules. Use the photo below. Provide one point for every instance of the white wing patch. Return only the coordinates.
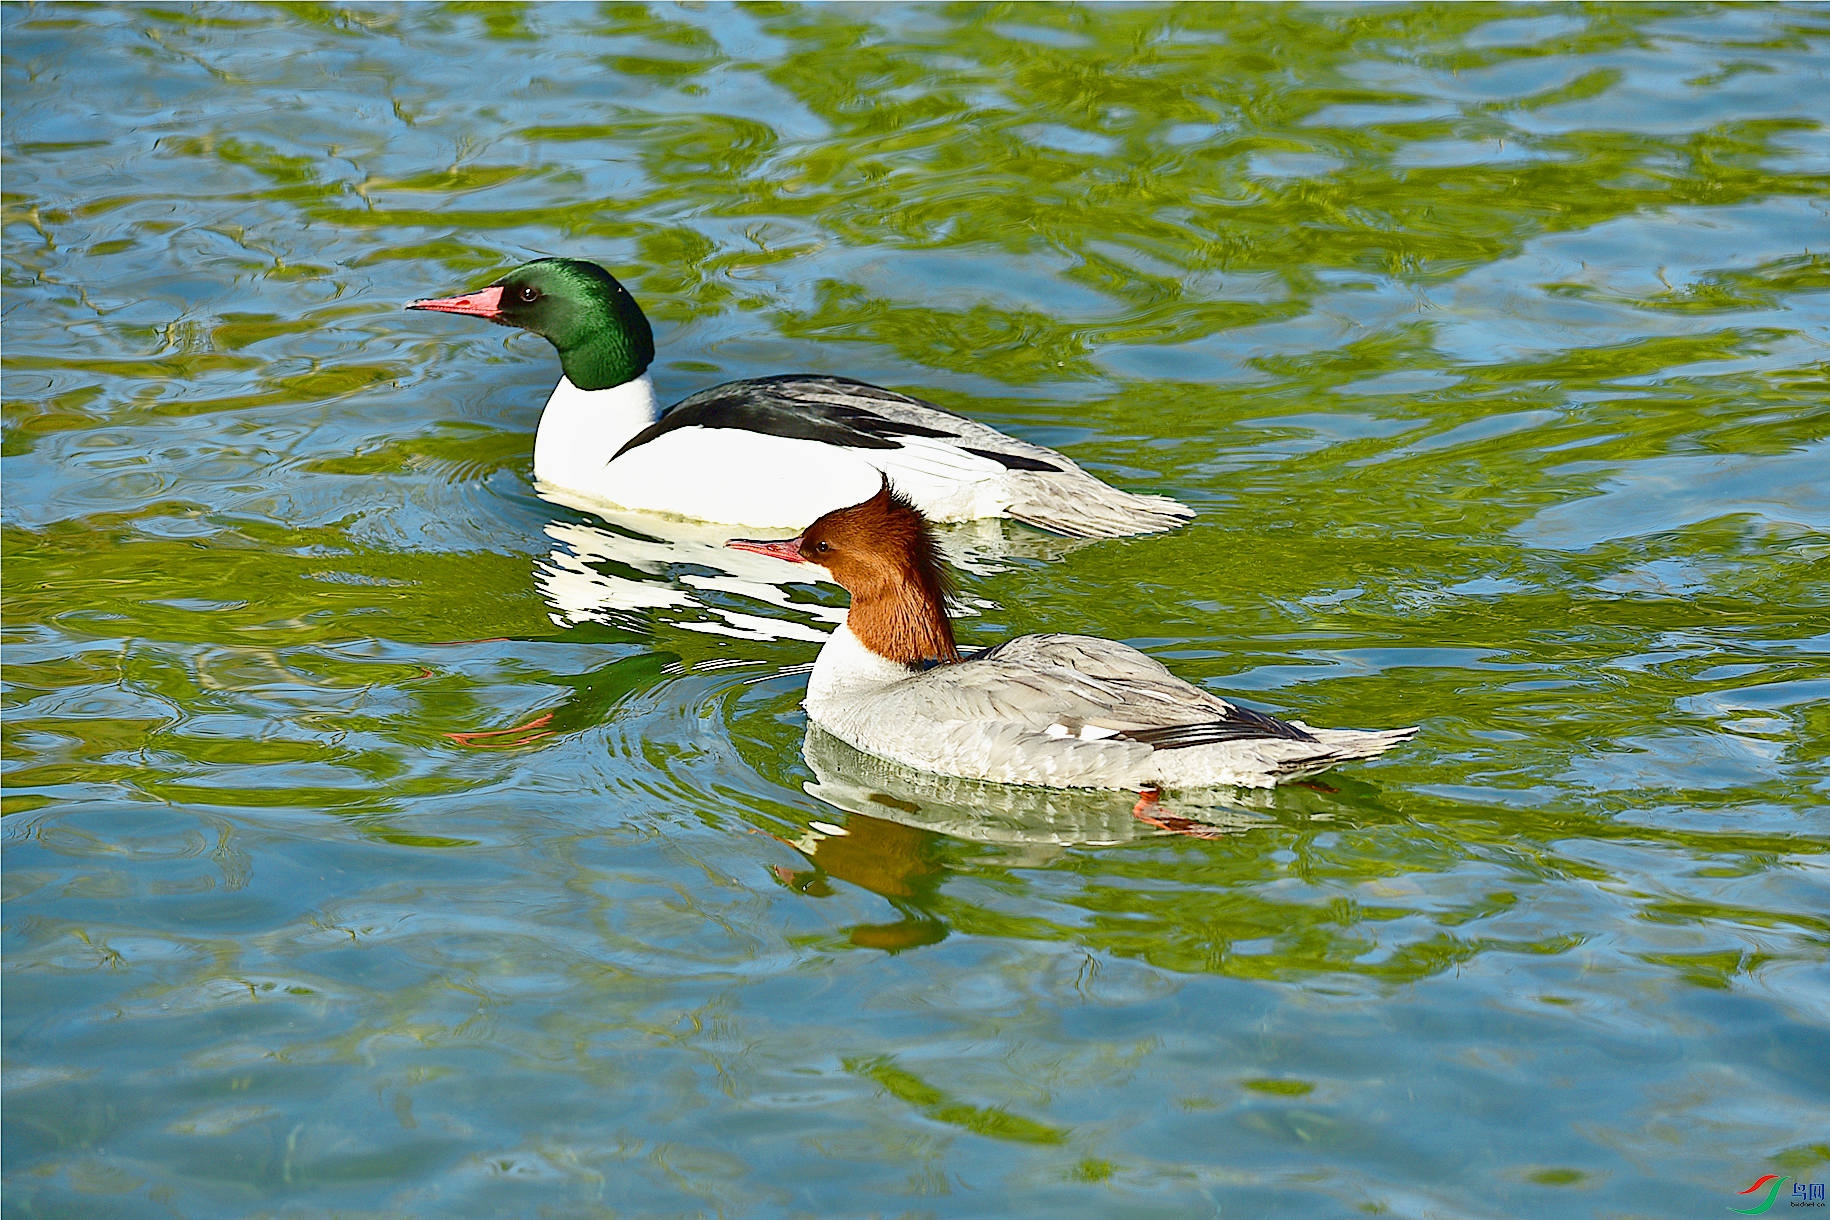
(945, 482)
(1086, 732)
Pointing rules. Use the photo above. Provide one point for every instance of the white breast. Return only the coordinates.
(739, 477)
(847, 677)
(580, 430)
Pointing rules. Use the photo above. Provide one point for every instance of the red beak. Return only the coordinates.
(789, 550)
(484, 303)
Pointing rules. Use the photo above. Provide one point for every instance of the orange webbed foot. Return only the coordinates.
(519, 735)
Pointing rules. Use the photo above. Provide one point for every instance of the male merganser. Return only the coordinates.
(1063, 711)
(773, 451)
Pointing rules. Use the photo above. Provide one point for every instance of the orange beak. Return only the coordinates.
(484, 303)
(789, 550)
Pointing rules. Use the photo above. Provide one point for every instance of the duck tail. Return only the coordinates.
(1084, 507)
(1344, 745)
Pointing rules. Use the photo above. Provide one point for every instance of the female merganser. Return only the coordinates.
(774, 451)
(1063, 711)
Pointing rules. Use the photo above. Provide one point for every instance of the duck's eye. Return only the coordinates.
(822, 546)
(527, 294)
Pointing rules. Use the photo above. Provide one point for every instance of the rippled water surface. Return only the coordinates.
(382, 839)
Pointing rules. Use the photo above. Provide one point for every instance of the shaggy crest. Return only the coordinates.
(883, 552)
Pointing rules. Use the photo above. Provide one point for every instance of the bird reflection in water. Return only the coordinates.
(901, 864)
(635, 569)
(894, 837)
(1030, 825)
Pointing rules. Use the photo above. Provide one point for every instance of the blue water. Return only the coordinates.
(383, 839)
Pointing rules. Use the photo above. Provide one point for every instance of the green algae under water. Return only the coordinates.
(383, 839)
